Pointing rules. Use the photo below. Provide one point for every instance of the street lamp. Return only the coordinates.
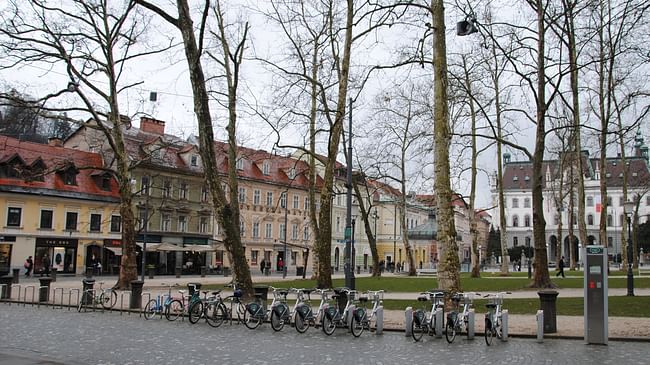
(530, 272)
(629, 211)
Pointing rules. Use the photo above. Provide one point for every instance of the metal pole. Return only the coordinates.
(353, 253)
(395, 231)
(349, 273)
(630, 276)
(144, 236)
(286, 211)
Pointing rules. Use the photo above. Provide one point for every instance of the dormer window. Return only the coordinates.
(194, 160)
(292, 173)
(240, 164)
(70, 176)
(526, 177)
(266, 168)
(106, 182)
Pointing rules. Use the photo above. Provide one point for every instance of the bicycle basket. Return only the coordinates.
(303, 310)
(280, 309)
(359, 313)
(237, 293)
(451, 317)
(330, 312)
(253, 308)
(419, 317)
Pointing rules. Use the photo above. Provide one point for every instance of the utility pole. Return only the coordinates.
(349, 270)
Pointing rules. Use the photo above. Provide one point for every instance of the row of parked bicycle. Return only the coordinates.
(216, 309)
(338, 308)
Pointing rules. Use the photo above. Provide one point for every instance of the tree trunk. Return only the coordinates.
(372, 237)
(449, 266)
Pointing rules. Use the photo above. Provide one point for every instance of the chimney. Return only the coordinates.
(55, 142)
(152, 125)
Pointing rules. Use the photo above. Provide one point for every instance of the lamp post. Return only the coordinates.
(530, 271)
(629, 210)
(352, 252)
(144, 234)
(286, 212)
(349, 271)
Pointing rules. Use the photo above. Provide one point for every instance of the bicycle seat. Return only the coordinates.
(490, 305)
(283, 292)
(363, 299)
(422, 298)
(182, 291)
(205, 292)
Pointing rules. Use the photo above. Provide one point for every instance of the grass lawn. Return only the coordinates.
(618, 306)
(485, 283)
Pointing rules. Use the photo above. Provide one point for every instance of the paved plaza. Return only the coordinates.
(59, 336)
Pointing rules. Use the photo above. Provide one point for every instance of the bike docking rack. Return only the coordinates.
(19, 292)
(32, 289)
(540, 325)
(142, 301)
(63, 293)
(127, 293)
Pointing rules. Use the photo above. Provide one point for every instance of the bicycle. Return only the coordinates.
(236, 306)
(280, 312)
(360, 318)
(423, 322)
(106, 298)
(177, 306)
(493, 324)
(457, 322)
(206, 308)
(333, 317)
(256, 311)
(160, 305)
(304, 315)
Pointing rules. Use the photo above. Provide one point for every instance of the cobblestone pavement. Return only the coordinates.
(56, 336)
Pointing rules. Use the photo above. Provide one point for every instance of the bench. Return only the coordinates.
(427, 272)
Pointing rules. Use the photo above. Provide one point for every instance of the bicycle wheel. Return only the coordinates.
(149, 310)
(215, 314)
(450, 332)
(356, 324)
(301, 324)
(277, 323)
(251, 321)
(489, 333)
(195, 312)
(174, 310)
(498, 329)
(328, 325)
(417, 331)
(108, 299)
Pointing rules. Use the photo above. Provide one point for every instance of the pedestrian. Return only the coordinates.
(29, 265)
(560, 267)
(262, 266)
(46, 265)
(280, 265)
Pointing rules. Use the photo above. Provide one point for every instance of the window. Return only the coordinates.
(203, 225)
(515, 203)
(268, 230)
(338, 224)
(306, 203)
(256, 230)
(106, 183)
(515, 221)
(610, 220)
(269, 199)
(167, 189)
(14, 216)
(143, 219)
(71, 221)
(292, 173)
(95, 222)
(647, 200)
(282, 231)
(305, 234)
(194, 160)
(622, 219)
(296, 202)
(590, 220)
(182, 190)
(70, 176)
(165, 222)
(527, 203)
(256, 197)
(283, 199)
(515, 241)
(609, 201)
(144, 185)
(575, 219)
(204, 194)
(556, 219)
(621, 201)
(242, 195)
(254, 254)
(266, 168)
(242, 228)
(526, 221)
(294, 232)
(610, 242)
(182, 223)
(590, 201)
(116, 223)
(294, 256)
(239, 164)
(46, 219)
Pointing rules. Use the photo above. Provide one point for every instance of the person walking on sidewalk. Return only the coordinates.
(29, 265)
(560, 266)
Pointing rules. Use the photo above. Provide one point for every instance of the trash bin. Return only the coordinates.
(204, 270)
(262, 291)
(135, 302)
(89, 272)
(191, 287)
(342, 299)
(226, 271)
(86, 297)
(547, 303)
(300, 270)
(44, 290)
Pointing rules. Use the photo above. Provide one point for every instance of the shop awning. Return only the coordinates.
(150, 246)
(168, 247)
(116, 250)
(199, 248)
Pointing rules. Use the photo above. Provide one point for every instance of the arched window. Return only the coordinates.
(556, 219)
(515, 221)
(590, 220)
(526, 220)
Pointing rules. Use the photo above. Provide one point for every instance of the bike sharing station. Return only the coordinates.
(595, 291)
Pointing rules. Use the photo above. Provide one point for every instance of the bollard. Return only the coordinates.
(152, 271)
(470, 324)
(6, 281)
(548, 299)
(504, 325)
(408, 318)
(53, 274)
(87, 296)
(540, 325)
(16, 273)
(44, 290)
(380, 320)
(136, 294)
(439, 322)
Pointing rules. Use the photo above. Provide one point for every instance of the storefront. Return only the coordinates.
(112, 255)
(194, 255)
(61, 252)
(6, 247)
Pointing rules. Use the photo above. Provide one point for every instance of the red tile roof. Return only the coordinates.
(55, 160)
